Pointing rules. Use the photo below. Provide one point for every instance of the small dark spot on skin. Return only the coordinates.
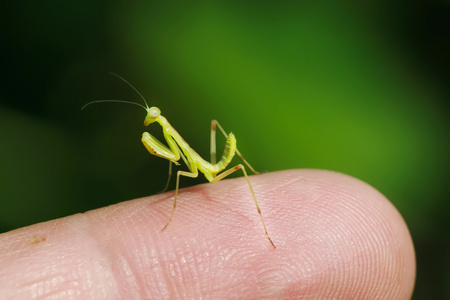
(37, 239)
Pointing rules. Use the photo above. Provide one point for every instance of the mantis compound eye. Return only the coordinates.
(154, 112)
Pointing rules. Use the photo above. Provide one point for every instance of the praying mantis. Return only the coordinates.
(179, 148)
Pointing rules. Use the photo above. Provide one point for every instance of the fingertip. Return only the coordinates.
(348, 239)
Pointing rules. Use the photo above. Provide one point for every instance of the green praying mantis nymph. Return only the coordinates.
(178, 147)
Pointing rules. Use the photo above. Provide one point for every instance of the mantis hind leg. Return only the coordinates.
(192, 174)
(215, 124)
(234, 169)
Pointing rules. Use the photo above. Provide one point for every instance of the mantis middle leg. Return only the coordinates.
(168, 178)
(192, 174)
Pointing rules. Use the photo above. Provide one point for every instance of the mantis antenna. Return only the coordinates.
(121, 101)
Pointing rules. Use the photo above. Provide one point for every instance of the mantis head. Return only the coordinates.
(152, 115)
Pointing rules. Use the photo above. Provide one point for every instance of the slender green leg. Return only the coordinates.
(234, 169)
(192, 174)
(168, 179)
(213, 141)
(214, 123)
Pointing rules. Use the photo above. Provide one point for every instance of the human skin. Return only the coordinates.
(336, 238)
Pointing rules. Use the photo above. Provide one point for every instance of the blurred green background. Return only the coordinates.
(359, 88)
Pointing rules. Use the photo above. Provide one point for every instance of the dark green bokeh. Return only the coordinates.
(358, 89)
